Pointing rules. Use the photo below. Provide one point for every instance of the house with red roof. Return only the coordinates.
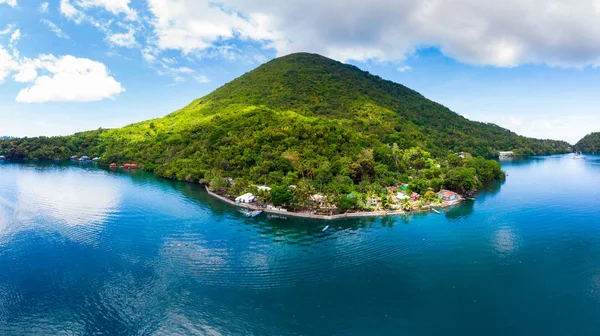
(447, 195)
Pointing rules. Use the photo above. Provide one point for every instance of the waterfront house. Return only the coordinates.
(447, 195)
(245, 198)
(375, 201)
(229, 179)
(263, 188)
(401, 196)
(130, 165)
(415, 196)
(73, 157)
(506, 154)
(2, 157)
(113, 165)
(96, 159)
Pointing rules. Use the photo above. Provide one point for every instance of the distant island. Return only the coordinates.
(310, 134)
(589, 144)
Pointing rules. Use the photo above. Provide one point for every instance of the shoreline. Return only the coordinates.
(380, 213)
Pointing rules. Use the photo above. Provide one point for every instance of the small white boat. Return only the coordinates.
(578, 156)
(434, 210)
(325, 228)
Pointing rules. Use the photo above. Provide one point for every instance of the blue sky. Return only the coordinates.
(73, 65)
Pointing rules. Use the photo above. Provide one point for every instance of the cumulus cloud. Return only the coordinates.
(68, 79)
(404, 68)
(501, 33)
(7, 64)
(126, 40)
(53, 27)
(12, 3)
(113, 6)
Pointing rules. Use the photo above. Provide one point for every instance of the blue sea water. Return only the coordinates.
(87, 251)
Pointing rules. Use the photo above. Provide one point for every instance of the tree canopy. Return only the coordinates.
(589, 144)
(303, 117)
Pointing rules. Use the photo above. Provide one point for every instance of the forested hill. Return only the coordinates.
(302, 114)
(589, 144)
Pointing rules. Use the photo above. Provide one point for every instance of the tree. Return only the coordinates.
(455, 161)
(461, 179)
(418, 185)
(281, 195)
(347, 202)
(430, 196)
(436, 184)
(219, 184)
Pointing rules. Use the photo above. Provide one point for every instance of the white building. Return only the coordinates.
(400, 196)
(245, 198)
(263, 188)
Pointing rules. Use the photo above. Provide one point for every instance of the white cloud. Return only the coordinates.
(14, 39)
(501, 33)
(12, 3)
(43, 7)
(8, 29)
(55, 29)
(113, 6)
(202, 79)
(69, 79)
(190, 25)
(27, 71)
(184, 70)
(259, 58)
(70, 12)
(15, 36)
(7, 64)
(404, 68)
(126, 40)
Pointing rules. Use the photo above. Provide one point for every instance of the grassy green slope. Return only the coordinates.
(301, 113)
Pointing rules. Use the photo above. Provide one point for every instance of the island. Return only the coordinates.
(307, 134)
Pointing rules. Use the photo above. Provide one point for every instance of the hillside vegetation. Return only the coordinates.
(589, 144)
(298, 117)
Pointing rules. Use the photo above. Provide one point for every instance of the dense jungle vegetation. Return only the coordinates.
(303, 118)
(589, 144)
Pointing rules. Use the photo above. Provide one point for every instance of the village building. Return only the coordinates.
(401, 196)
(375, 201)
(447, 195)
(415, 196)
(245, 198)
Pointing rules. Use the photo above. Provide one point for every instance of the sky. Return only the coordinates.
(74, 65)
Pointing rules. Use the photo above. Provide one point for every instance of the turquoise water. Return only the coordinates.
(89, 251)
